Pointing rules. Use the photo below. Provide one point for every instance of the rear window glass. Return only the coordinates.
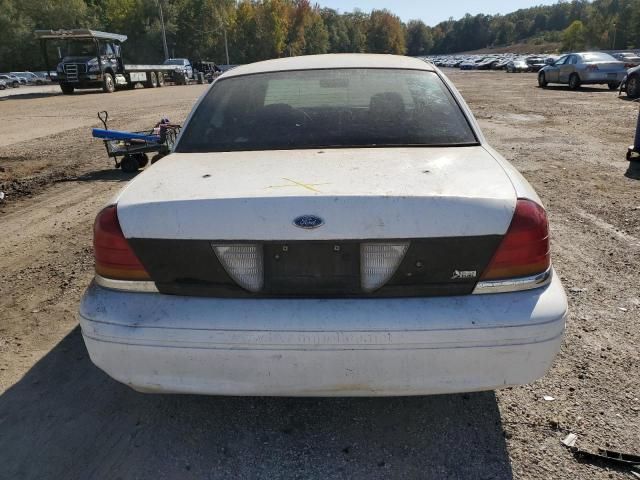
(598, 57)
(326, 108)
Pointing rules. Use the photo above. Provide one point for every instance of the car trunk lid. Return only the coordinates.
(359, 194)
(443, 211)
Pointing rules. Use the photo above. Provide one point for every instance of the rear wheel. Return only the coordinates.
(2, 86)
(574, 81)
(542, 80)
(129, 164)
(153, 80)
(142, 158)
(108, 85)
(613, 85)
(160, 76)
(67, 89)
(633, 87)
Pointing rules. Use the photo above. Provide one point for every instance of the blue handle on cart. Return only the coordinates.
(118, 135)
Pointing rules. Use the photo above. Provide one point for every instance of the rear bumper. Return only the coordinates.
(372, 347)
(602, 77)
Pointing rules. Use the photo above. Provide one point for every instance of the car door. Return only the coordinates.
(568, 68)
(552, 72)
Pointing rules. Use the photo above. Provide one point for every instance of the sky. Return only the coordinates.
(433, 12)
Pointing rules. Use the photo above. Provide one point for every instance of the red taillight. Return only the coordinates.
(524, 250)
(114, 257)
(592, 68)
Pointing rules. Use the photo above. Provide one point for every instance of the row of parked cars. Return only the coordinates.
(618, 70)
(508, 61)
(16, 79)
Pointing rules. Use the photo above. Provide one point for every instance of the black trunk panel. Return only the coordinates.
(318, 269)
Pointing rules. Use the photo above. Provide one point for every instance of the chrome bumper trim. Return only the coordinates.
(127, 285)
(514, 284)
(482, 288)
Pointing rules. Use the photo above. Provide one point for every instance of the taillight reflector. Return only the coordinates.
(378, 263)
(524, 250)
(244, 263)
(113, 254)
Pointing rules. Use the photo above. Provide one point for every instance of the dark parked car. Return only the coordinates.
(183, 65)
(501, 64)
(631, 83)
(487, 64)
(535, 63)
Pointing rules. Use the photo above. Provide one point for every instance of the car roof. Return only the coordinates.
(590, 53)
(332, 61)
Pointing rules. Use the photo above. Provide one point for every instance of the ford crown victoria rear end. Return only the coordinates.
(329, 225)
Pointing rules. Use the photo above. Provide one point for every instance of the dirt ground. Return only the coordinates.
(60, 417)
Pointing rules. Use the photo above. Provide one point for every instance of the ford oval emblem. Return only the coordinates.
(308, 221)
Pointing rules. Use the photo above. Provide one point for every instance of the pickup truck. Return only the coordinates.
(93, 59)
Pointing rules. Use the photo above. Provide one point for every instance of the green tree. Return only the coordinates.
(573, 37)
(419, 39)
(272, 27)
(337, 31)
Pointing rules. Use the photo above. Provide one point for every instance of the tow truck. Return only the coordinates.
(93, 59)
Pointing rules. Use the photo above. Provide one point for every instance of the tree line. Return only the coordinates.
(252, 30)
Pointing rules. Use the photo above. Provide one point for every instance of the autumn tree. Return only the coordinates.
(385, 33)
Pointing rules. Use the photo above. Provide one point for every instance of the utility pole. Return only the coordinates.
(164, 33)
(614, 36)
(222, 18)
(226, 46)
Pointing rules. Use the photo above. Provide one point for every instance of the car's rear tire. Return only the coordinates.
(108, 84)
(67, 89)
(574, 81)
(613, 85)
(160, 77)
(542, 80)
(633, 86)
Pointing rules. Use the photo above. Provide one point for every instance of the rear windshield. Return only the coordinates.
(598, 57)
(327, 108)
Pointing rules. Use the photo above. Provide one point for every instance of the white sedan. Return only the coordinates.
(330, 225)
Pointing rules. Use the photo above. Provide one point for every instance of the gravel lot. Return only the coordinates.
(30, 90)
(60, 417)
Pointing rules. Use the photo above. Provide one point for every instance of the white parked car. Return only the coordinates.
(329, 225)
